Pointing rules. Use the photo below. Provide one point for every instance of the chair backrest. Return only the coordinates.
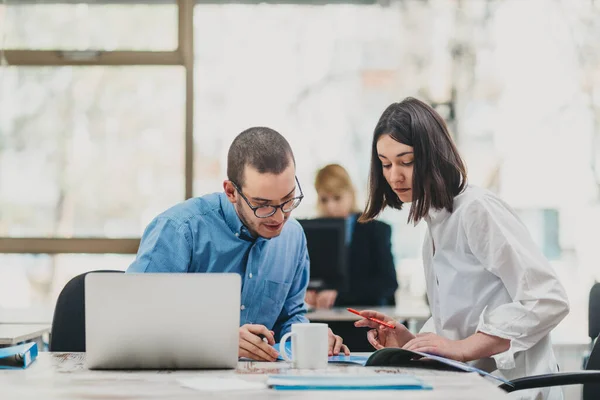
(68, 324)
(591, 391)
(594, 312)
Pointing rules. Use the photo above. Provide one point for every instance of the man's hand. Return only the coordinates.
(253, 346)
(336, 345)
(380, 336)
(326, 298)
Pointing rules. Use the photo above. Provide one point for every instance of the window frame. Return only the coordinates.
(183, 55)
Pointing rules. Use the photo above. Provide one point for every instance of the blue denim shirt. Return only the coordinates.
(205, 234)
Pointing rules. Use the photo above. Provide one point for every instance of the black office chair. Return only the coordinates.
(594, 312)
(68, 324)
(593, 363)
(590, 377)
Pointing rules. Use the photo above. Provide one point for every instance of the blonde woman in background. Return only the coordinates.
(371, 272)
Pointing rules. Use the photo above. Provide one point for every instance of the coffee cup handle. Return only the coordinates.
(284, 338)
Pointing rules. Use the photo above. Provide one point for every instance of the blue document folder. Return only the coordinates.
(19, 356)
(346, 382)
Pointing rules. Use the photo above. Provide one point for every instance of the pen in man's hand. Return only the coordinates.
(263, 337)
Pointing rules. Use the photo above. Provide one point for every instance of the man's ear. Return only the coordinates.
(229, 191)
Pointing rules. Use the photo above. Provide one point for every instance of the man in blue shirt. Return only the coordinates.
(245, 230)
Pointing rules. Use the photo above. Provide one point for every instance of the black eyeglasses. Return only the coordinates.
(267, 211)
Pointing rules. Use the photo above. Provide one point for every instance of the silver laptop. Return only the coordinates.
(162, 321)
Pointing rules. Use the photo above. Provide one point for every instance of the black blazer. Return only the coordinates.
(371, 279)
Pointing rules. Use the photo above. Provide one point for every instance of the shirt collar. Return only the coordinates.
(436, 215)
(233, 220)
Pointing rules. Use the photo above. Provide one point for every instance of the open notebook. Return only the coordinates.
(395, 357)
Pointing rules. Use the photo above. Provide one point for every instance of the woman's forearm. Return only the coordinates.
(481, 345)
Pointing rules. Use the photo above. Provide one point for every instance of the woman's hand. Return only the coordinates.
(435, 344)
(474, 347)
(381, 336)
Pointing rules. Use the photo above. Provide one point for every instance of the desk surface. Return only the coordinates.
(29, 315)
(15, 333)
(64, 376)
(400, 313)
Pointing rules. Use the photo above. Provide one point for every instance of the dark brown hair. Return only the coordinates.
(439, 173)
(260, 147)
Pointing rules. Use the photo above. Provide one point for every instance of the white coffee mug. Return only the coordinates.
(310, 346)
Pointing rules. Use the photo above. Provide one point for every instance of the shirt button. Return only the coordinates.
(243, 307)
(250, 275)
(237, 234)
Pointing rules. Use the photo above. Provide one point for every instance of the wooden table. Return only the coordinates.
(64, 376)
(11, 334)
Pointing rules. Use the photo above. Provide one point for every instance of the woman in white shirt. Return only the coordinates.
(494, 298)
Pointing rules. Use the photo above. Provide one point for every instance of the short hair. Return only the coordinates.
(260, 147)
(334, 179)
(439, 173)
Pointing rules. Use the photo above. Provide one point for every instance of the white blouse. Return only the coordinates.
(484, 273)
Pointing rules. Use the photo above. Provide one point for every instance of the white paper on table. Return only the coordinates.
(214, 384)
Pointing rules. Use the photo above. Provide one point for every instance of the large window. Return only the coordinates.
(82, 149)
(98, 26)
(34, 280)
(93, 128)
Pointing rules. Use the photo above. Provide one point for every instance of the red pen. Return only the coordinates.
(380, 322)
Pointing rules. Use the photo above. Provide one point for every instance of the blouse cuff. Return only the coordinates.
(506, 359)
